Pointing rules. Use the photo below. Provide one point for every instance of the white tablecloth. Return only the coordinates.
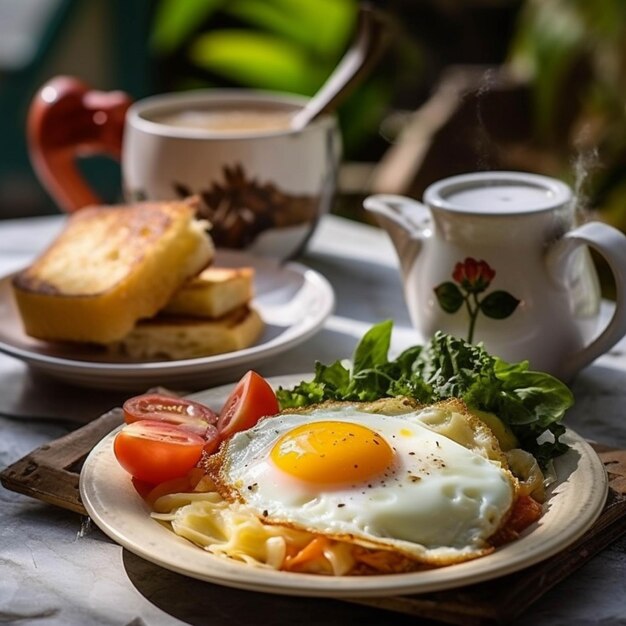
(56, 570)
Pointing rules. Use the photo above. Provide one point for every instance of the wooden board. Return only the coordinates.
(51, 474)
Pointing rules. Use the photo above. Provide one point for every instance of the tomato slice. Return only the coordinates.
(211, 439)
(154, 451)
(187, 414)
(251, 399)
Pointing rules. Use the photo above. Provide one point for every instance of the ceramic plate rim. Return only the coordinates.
(291, 336)
(98, 496)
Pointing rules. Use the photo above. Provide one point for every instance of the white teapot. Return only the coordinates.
(496, 257)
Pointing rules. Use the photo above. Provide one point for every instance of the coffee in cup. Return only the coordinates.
(240, 120)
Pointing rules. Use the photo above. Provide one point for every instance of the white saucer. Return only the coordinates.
(293, 300)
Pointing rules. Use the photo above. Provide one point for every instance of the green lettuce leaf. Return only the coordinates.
(531, 403)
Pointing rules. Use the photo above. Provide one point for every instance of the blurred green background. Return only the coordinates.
(534, 85)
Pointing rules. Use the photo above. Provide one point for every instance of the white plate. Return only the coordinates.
(293, 300)
(574, 503)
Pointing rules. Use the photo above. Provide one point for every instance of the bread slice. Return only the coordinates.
(111, 266)
(166, 337)
(213, 293)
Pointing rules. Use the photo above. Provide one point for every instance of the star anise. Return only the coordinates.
(240, 208)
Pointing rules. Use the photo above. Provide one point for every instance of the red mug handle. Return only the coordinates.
(68, 120)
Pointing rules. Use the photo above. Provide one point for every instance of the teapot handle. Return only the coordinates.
(611, 244)
(67, 120)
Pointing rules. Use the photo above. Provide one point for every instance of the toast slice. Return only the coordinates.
(213, 293)
(167, 337)
(110, 267)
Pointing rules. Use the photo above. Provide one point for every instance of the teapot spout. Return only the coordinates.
(392, 215)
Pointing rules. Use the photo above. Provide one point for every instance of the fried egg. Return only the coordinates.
(380, 481)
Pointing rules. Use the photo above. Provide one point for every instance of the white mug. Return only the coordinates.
(496, 257)
(261, 185)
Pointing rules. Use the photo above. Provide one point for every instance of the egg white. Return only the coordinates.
(439, 502)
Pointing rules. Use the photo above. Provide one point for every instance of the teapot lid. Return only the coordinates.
(498, 193)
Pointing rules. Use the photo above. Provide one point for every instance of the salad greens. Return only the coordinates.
(530, 403)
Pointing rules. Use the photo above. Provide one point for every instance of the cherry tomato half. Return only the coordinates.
(187, 414)
(211, 439)
(251, 399)
(153, 451)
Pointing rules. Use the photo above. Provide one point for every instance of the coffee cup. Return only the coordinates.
(498, 258)
(262, 185)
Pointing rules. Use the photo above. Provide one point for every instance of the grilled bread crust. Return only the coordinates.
(110, 267)
(167, 337)
(213, 293)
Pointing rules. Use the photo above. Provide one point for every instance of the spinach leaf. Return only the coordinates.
(531, 403)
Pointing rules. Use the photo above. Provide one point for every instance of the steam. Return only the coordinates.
(488, 81)
(584, 164)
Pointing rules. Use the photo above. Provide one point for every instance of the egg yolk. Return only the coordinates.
(332, 452)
